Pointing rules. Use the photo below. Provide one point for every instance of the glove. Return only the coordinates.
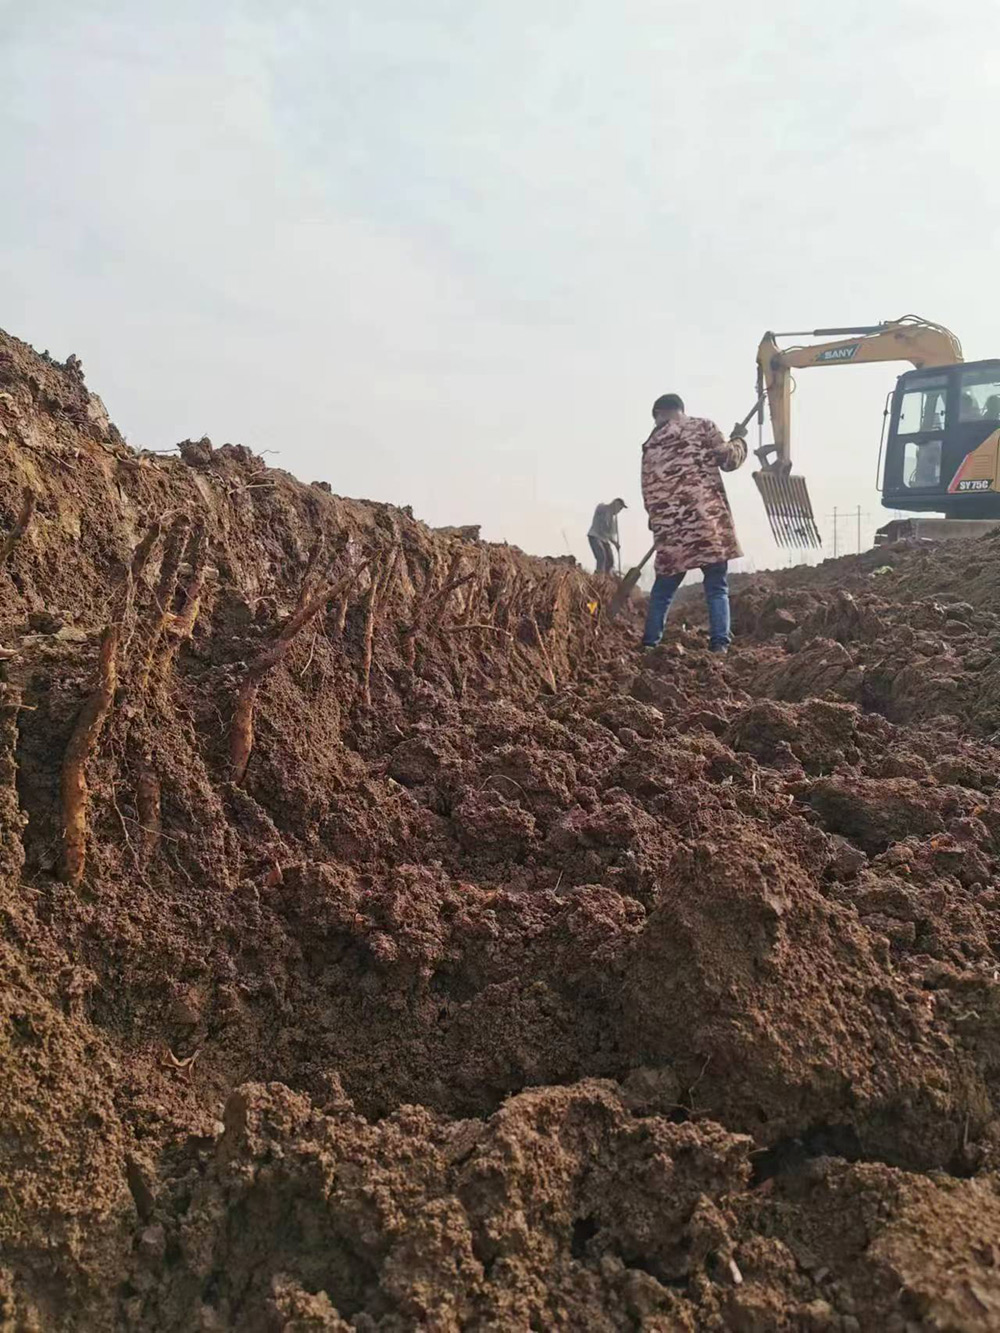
(738, 432)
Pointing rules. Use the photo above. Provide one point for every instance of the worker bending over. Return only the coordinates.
(603, 535)
(689, 514)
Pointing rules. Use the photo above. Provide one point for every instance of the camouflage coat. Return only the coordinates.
(684, 496)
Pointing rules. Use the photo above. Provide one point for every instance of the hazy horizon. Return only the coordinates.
(448, 258)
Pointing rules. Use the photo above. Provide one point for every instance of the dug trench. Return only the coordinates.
(388, 945)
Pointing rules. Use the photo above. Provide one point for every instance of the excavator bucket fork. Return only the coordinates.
(787, 505)
(785, 494)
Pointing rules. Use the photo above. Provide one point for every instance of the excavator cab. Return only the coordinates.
(943, 449)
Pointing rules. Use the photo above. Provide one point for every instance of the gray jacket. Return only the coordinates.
(605, 525)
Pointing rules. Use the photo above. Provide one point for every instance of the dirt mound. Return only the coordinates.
(388, 945)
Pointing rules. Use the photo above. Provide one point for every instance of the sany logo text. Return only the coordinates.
(838, 353)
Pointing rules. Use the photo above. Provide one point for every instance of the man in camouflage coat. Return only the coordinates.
(688, 512)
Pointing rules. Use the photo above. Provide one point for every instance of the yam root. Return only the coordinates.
(549, 669)
(90, 721)
(474, 596)
(315, 557)
(180, 627)
(73, 784)
(441, 599)
(378, 593)
(166, 589)
(433, 609)
(385, 586)
(140, 559)
(141, 554)
(241, 730)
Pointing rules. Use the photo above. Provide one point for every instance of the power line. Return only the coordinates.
(836, 518)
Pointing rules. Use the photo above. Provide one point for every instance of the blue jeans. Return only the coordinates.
(716, 595)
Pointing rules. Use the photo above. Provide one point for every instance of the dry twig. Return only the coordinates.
(496, 629)
(312, 649)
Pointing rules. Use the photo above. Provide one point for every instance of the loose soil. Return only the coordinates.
(388, 945)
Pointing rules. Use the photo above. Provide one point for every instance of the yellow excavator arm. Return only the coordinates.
(786, 497)
(908, 339)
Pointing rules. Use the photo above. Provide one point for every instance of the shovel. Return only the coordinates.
(627, 586)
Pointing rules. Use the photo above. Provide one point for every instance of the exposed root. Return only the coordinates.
(385, 587)
(147, 804)
(549, 668)
(560, 627)
(441, 599)
(315, 558)
(496, 629)
(179, 628)
(141, 554)
(312, 650)
(20, 525)
(430, 614)
(126, 836)
(241, 730)
(368, 639)
(375, 601)
(166, 589)
(507, 597)
(73, 785)
(475, 594)
(140, 558)
(12, 818)
(186, 1066)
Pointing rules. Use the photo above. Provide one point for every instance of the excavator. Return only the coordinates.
(942, 452)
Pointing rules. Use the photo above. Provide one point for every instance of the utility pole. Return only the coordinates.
(860, 516)
(836, 517)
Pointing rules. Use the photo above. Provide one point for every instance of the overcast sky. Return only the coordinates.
(446, 254)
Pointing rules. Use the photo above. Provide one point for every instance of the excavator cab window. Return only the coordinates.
(922, 464)
(923, 405)
(980, 396)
